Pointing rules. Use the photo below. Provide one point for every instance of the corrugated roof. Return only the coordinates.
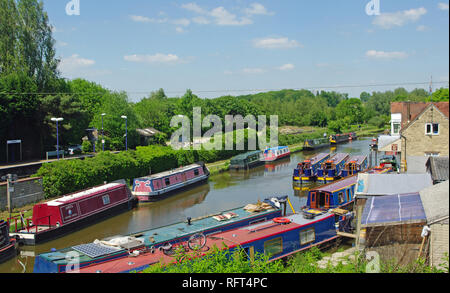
(388, 184)
(438, 167)
(435, 201)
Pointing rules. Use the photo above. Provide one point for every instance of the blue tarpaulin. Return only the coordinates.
(393, 209)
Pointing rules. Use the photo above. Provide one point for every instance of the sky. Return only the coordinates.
(239, 47)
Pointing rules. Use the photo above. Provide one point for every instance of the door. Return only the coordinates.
(313, 200)
(327, 200)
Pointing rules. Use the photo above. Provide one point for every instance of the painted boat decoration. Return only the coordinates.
(247, 160)
(122, 247)
(276, 153)
(278, 238)
(306, 171)
(69, 213)
(331, 169)
(161, 185)
(8, 245)
(343, 137)
(338, 194)
(313, 144)
(389, 162)
(354, 165)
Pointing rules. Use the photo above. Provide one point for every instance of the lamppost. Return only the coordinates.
(126, 132)
(103, 139)
(57, 134)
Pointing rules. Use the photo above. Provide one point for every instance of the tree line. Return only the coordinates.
(32, 91)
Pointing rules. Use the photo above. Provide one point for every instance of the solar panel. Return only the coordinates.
(94, 250)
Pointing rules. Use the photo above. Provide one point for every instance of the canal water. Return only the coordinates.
(224, 191)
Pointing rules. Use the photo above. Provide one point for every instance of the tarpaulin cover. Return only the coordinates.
(393, 209)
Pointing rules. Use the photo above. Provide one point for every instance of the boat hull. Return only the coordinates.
(30, 239)
(8, 252)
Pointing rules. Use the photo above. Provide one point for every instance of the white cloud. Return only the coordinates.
(390, 20)
(157, 58)
(257, 9)
(421, 28)
(253, 70)
(194, 8)
(276, 43)
(286, 67)
(144, 19)
(385, 55)
(223, 17)
(443, 6)
(179, 29)
(74, 62)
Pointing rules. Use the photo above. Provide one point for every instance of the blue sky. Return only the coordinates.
(230, 46)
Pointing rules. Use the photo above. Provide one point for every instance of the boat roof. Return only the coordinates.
(358, 159)
(336, 158)
(278, 148)
(230, 239)
(318, 157)
(244, 156)
(85, 193)
(337, 185)
(171, 172)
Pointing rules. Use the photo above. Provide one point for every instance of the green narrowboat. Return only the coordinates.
(247, 160)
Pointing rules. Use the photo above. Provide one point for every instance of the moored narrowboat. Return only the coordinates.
(8, 245)
(307, 170)
(276, 153)
(247, 160)
(122, 247)
(389, 162)
(331, 168)
(342, 137)
(161, 185)
(276, 238)
(338, 194)
(313, 144)
(71, 212)
(354, 165)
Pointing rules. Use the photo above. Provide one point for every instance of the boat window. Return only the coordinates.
(273, 247)
(348, 195)
(196, 172)
(341, 197)
(105, 199)
(307, 236)
(167, 181)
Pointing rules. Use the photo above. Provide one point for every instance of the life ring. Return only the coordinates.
(282, 220)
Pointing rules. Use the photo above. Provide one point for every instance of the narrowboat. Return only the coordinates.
(159, 186)
(247, 160)
(276, 153)
(341, 138)
(389, 162)
(307, 170)
(313, 144)
(124, 247)
(8, 245)
(277, 238)
(71, 212)
(354, 165)
(338, 194)
(331, 168)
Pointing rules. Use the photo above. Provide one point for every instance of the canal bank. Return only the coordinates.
(226, 190)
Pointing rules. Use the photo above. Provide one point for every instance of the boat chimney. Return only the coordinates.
(189, 221)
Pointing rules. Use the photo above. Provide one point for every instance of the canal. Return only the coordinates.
(224, 191)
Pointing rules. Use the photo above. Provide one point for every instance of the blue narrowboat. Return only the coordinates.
(354, 165)
(331, 169)
(122, 247)
(307, 170)
(276, 238)
(338, 194)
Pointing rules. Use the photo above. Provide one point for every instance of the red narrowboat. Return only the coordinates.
(69, 213)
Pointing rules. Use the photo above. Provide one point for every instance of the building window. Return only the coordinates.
(432, 128)
(273, 247)
(307, 236)
(395, 128)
